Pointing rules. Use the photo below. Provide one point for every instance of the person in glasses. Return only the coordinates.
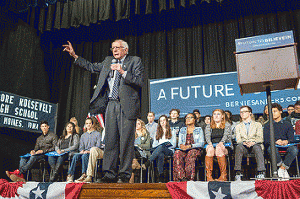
(118, 94)
(249, 139)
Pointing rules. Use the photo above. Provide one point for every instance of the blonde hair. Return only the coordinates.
(143, 128)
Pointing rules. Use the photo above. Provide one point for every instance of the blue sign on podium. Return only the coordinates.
(264, 41)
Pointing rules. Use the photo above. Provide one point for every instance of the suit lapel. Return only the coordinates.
(126, 63)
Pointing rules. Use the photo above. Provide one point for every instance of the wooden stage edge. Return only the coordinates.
(126, 190)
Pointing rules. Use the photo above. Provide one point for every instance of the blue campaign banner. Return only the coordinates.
(209, 92)
(264, 41)
(25, 113)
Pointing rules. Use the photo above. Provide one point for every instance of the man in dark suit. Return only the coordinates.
(118, 95)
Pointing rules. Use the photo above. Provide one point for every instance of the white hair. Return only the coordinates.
(124, 43)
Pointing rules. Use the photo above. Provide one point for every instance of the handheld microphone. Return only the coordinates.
(114, 61)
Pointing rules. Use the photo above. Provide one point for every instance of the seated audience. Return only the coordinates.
(77, 128)
(67, 143)
(249, 138)
(191, 140)
(218, 132)
(44, 144)
(142, 145)
(95, 154)
(89, 140)
(152, 125)
(163, 135)
(284, 134)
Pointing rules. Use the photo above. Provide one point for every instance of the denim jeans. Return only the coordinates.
(291, 153)
(159, 154)
(56, 161)
(84, 162)
(27, 162)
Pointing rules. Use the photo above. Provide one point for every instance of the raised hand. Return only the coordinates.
(69, 48)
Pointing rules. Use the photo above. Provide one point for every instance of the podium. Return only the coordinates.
(265, 63)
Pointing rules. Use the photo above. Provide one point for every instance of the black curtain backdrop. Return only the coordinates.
(197, 38)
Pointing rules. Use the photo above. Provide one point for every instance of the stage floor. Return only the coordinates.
(126, 190)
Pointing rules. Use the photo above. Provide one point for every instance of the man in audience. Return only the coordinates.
(44, 144)
(284, 134)
(199, 122)
(175, 123)
(294, 116)
(90, 141)
(249, 138)
(290, 109)
(152, 125)
(95, 154)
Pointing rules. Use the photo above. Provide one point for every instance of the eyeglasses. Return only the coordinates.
(189, 118)
(116, 47)
(244, 112)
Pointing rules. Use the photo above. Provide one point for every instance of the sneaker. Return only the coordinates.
(70, 178)
(88, 179)
(261, 175)
(286, 174)
(238, 177)
(82, 178)
(280, 172)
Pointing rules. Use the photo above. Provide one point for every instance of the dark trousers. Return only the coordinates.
(159, 154)
(241, 150)
(119, 141)
(27, 162)
(56, 161)
(291, 153)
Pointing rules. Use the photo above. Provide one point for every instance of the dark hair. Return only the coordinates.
(290, 106)
(174, 109)
(207, 116)
(90, 119)
(194, 116)
(249, 108)
(278, 106)
(44, 122)
(65, 130)
(196, 110)
(228, 118)
(297, 103)
(160, 131)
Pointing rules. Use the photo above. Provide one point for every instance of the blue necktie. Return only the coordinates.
(115, 90)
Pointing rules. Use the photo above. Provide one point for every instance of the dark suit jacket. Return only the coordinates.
(129, 89)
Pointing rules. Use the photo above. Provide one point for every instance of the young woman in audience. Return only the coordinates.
(68, 143)
(77, 128)
(191, 139)
(163, 135)
(218, 133)
(142, 143)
